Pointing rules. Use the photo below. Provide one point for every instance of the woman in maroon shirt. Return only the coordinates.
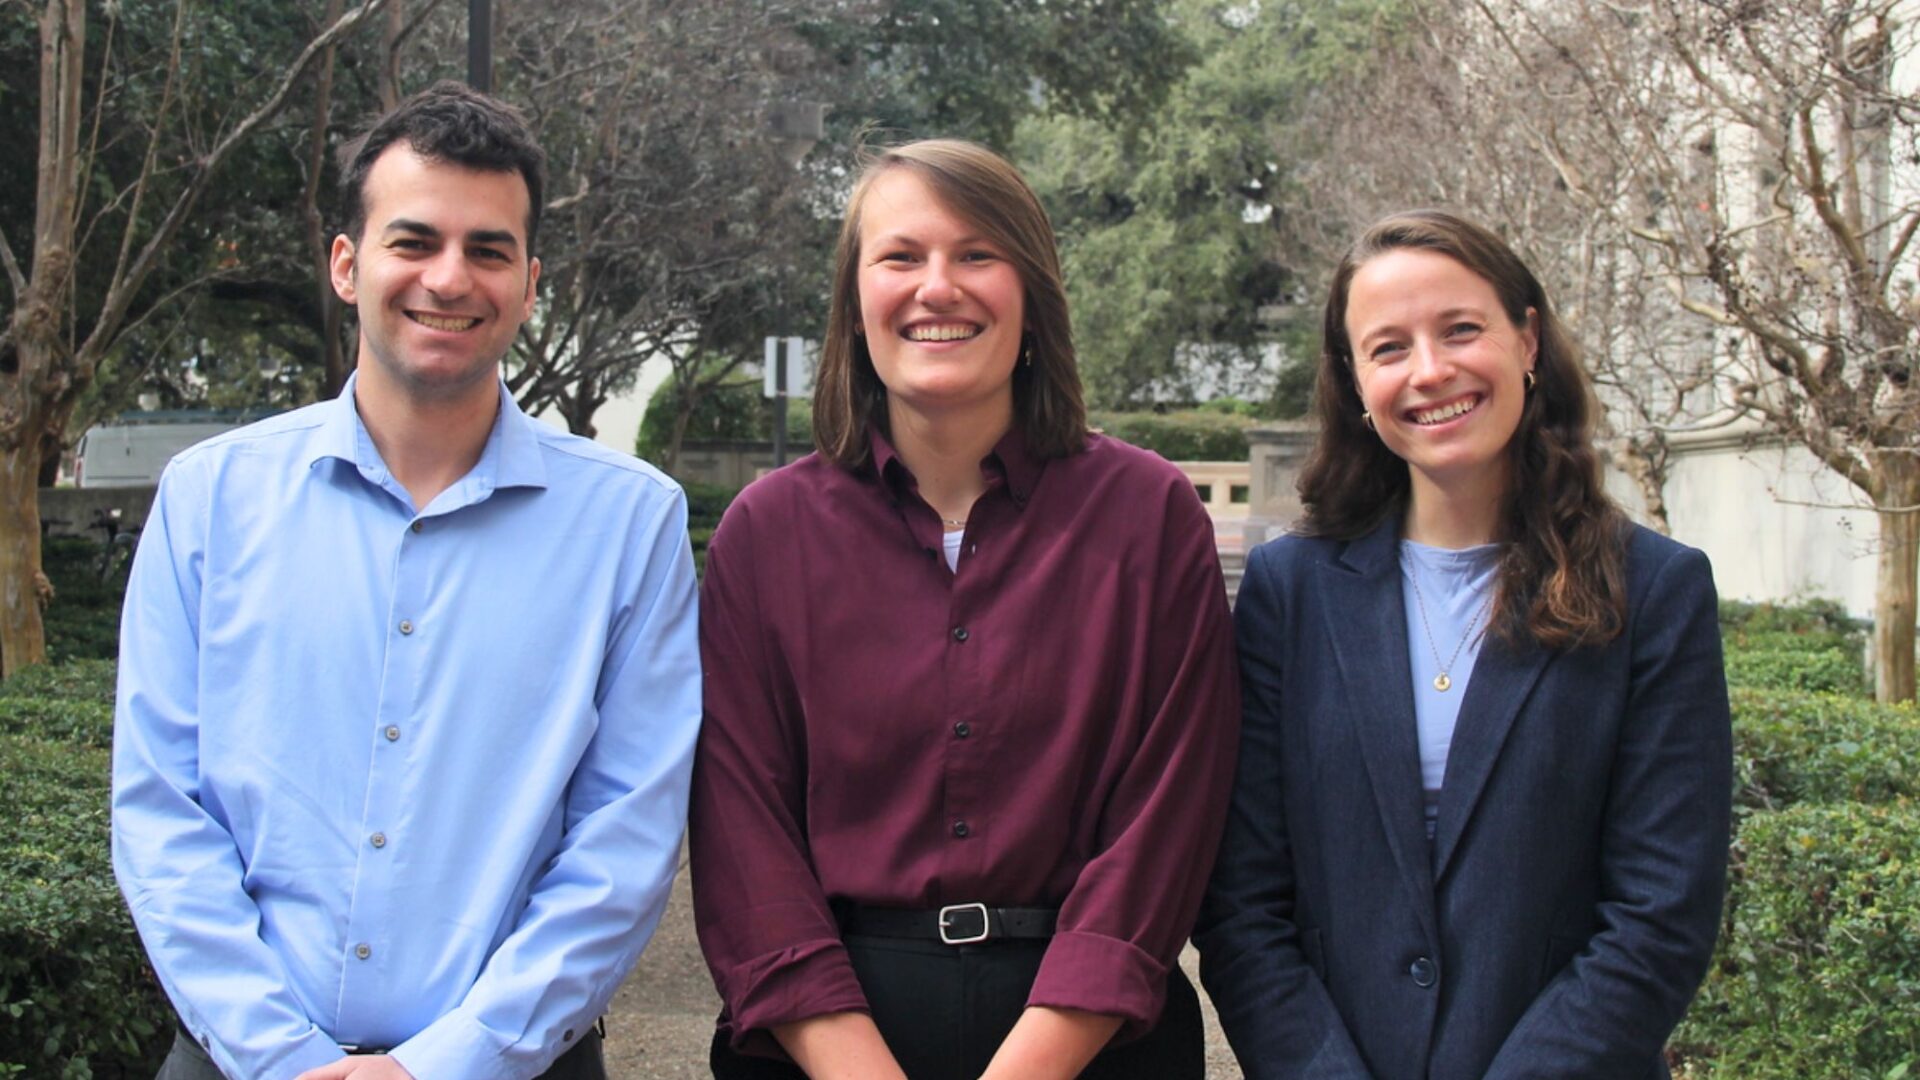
(971, 706)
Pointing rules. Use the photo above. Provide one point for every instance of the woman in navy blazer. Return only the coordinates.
(1549, 909)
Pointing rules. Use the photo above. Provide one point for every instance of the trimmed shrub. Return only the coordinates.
(77, 995)
(1195, 435)
(1818, 972)
(705, 504)
(1773, 660)
(83, 620)
(1818, 748)
(1802, 617)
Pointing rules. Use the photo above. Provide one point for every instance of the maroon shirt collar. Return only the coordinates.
(1011, 461)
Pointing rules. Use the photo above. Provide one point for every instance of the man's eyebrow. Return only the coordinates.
(492, 237)
(408, 225)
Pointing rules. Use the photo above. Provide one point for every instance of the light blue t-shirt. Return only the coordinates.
(1455, 588)
(396, 776)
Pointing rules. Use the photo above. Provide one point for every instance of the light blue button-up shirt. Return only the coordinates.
(399, 778)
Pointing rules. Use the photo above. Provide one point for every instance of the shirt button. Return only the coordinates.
(1423, 971)
(567, 1035)
(962, 729)
(392, 733)
(417, 526)
(406, 626)
(378, 839)
(363, 950)
(960, 829)
(960, 633)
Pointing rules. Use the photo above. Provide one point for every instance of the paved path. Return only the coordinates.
(662, 1019)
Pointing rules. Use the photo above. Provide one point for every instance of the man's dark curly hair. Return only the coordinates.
(453, 123)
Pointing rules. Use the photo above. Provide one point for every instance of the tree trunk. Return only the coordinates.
(1644, 459)
(1893, 609)
(390, 32)
(23, 588)
(31, 397)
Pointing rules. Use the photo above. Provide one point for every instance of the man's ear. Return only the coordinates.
(533, 295)
(340, 266)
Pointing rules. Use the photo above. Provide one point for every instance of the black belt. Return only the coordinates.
(955, 924)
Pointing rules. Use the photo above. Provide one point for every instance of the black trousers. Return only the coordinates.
(187, 1061)
(945, 1009)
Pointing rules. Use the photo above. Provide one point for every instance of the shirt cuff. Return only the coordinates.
(311, 1052)
(791, 984)
(1099, 974)
(456, 1045)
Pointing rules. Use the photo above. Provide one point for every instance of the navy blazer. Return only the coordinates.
(1564, 914)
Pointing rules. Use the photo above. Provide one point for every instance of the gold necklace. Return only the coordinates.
(952, 523)
(1443, 682)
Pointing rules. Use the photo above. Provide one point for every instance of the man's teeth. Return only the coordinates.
(1445, 412)
(435, 322)
(941, 333)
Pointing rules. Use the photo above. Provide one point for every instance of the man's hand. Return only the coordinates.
(368, 1067)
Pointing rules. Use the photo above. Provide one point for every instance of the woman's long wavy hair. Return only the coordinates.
(1562, 577)
(981, 188)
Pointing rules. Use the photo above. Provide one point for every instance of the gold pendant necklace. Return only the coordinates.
(1443, 682)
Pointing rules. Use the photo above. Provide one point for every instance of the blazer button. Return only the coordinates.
(1424, 972)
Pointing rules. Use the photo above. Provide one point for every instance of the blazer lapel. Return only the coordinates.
(1502, 678)
(1367, 623)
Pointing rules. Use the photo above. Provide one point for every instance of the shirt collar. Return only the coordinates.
(511, 457)
(1010, 458)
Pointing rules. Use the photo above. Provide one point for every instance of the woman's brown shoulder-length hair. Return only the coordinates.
(1562, 578)
(981, 188)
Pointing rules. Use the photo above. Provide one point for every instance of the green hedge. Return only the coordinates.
(76, 994)
(1818, 974)
(1194, 435)
(1822, 748)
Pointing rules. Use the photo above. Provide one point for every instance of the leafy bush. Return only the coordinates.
(77, 995)
(1812, 616)
(705, 504)
(83, 620)
(1794, 748)
(1779, 660)
(1197, 435)
(1818, 972)
(734, 411)
(1808, 645)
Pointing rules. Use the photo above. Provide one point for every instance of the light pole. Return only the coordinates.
(795, 126)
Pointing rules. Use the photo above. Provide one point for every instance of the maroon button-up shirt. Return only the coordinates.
(1052, 725)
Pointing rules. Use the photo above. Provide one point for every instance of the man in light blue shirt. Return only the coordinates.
(409, 683)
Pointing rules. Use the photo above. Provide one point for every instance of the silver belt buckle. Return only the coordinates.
(946, 924)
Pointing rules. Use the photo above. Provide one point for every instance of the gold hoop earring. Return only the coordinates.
(1532, 380)
(1367, 419)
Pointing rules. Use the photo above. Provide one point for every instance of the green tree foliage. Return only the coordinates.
(1171, 223)
(975, 68)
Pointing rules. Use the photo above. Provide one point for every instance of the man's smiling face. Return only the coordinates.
(441, 273)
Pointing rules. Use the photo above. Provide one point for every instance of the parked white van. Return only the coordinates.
(130, 450)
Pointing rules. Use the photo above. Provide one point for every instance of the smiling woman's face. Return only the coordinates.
(1440, 367)
(941, 307)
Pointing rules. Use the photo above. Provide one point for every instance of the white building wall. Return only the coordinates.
(1776, 524)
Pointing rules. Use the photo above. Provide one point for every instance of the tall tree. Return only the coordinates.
(1762, 140)
(1655, 367)
(1174, 222)
(55, 353)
